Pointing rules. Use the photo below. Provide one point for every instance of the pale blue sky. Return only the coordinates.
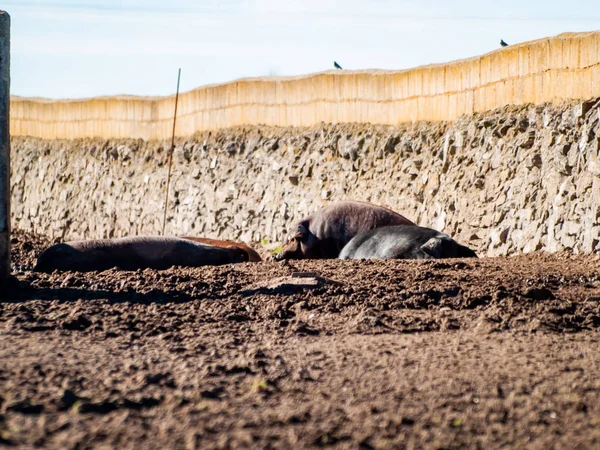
(70, 48)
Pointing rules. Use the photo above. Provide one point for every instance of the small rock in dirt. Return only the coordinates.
(304, 275)
(284, 285)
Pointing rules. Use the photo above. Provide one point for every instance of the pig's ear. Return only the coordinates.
(301, 233)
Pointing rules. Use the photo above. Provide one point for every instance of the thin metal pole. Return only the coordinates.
(171, 153)
(4, 146)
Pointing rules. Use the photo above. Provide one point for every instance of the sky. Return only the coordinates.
(87, 48)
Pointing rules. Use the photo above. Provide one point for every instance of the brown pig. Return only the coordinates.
(324, 233)
(253, 256)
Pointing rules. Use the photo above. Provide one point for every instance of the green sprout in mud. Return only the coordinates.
(277, 250)
(259, 385)
(76, 408)
(5, 437)
(264, 242)
(324, 438)
(457, 422)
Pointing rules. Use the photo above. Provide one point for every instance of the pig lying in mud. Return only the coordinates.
(132, 253)
(324, 233)
(404, 242)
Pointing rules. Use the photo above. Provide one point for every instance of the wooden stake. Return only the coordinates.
(171, 153)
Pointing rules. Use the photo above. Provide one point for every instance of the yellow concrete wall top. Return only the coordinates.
(551, 69)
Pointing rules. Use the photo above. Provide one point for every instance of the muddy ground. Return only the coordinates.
(485, 353)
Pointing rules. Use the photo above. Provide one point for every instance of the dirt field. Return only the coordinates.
(482, 353)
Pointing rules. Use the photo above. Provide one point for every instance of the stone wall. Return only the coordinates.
(552, 69)
(512, 180)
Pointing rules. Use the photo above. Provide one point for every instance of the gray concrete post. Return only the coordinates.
(4, 146)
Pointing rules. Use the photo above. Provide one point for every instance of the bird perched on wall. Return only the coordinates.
(336, 65)
(503, 44)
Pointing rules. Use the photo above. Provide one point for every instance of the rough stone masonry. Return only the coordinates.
(512, 180)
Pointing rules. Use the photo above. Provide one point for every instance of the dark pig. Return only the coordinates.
(132, 253)
(324, 233)
(404, 242)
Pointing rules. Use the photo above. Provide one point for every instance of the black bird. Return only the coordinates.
(503, 44)
(336, 65)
